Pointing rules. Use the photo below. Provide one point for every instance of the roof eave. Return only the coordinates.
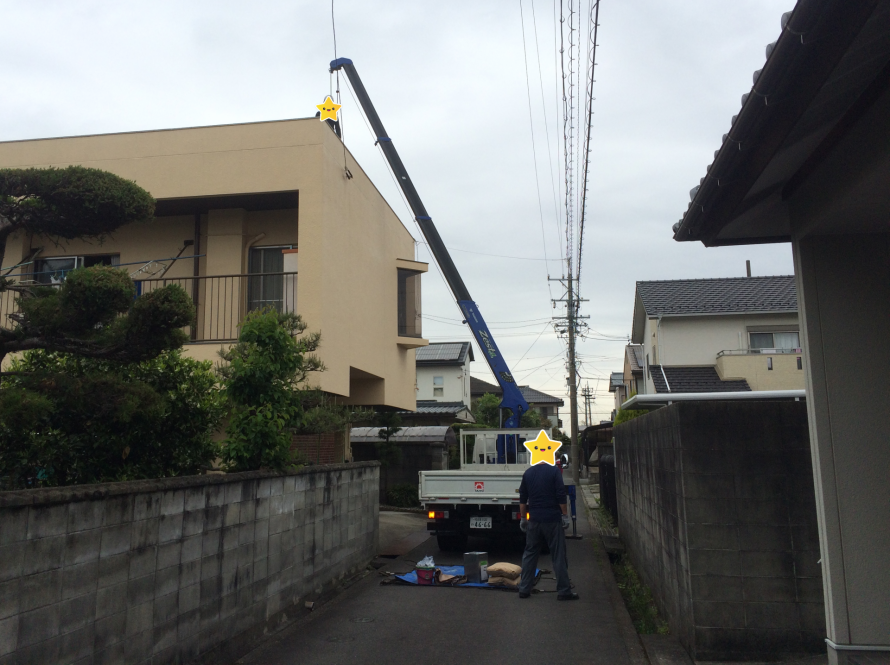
(639, 318)
(756, 312)
(760, 129)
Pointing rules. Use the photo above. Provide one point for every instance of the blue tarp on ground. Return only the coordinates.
(411, 578)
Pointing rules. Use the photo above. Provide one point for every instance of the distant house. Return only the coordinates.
(631, 381)
(442, 385)
(546, 405)
(618, 389)
(443, 372)
(713, 335)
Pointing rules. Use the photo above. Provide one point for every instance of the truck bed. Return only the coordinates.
(491, 486)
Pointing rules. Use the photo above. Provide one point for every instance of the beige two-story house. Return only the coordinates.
(251, 215)
(713, 335)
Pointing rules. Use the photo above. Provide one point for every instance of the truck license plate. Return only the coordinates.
(480, 522)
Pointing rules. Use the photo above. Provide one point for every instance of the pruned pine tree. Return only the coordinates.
(94, 313)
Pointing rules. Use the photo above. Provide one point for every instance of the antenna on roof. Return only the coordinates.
(748, 267)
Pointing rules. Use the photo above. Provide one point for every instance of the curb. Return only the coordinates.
(636, 652)
(395, 509)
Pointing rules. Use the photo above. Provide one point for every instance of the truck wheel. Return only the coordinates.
(452, 543)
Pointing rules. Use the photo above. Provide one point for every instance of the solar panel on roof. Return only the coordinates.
(447, 351)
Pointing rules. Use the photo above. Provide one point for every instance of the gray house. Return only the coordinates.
(715, 335)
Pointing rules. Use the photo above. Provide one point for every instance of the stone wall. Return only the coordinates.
(178, 569)
(717, 511)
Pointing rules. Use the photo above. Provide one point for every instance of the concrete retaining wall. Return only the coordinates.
(177, 569)
(716, 506)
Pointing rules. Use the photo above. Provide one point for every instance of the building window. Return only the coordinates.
(785, 341)
(53, 270)
(438, 392)
(409, 303)
(438, 381)
(799, 363)
(265, 289)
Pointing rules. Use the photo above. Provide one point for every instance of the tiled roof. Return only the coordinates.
(448, 353)
(615, 379)
(635, 357)
(438, 408)
(733, 295)
(442, 434)
(694, 380)
(533, 396)
(478, 387)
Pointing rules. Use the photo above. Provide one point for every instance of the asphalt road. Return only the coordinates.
(409, 625)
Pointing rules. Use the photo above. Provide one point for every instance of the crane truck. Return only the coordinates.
(482, 498)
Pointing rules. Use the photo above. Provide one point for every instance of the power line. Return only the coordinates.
(533, 343)
(449, 323)
(595, 11)
(556, 217)
(445, 318)
(531, 124)
(499, 256)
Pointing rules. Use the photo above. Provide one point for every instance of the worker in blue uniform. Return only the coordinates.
(544, 517)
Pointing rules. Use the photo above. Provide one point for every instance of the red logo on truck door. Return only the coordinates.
(480, 485)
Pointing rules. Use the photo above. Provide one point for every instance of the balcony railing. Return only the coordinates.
(754, 352)
(221, 301)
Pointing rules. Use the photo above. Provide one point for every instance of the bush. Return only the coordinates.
(403, 495)
(66, 419)
(265, 383)
(624, 415)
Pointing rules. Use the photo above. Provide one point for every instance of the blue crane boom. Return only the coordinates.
(512, 398)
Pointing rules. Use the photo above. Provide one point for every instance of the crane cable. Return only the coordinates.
(341, 131)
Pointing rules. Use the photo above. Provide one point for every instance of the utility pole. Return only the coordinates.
(571, 328)
(588, 410)
(573, 381)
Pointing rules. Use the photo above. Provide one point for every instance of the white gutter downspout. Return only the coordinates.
(661, 367)
(661, 352)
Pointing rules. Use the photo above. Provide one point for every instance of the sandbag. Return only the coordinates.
(509, 570)
(503, 581)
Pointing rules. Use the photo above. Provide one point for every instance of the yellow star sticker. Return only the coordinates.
(328, 109)
(543, 449)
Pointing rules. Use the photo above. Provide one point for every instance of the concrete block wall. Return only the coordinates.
(175, 570)
(717, 511)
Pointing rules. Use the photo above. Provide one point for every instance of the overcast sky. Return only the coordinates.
(449, 82)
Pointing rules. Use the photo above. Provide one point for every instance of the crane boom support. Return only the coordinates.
(512, 398)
